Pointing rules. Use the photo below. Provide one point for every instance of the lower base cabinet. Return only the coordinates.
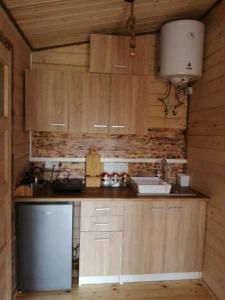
(101, 253)
(161, 240)
(144, 230)
(184, 236)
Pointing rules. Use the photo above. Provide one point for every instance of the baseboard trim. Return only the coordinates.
(139, 278)
(98, 279)
(160, 277)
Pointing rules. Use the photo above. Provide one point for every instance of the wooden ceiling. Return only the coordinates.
(50, 23)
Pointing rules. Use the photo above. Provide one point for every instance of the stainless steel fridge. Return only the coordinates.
(44, 246)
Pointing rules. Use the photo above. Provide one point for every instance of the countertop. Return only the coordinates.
(45, 194)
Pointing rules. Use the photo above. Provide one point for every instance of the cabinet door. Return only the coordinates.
(185, 228)
(89, 103)
(101, 253)
(110, 54)
(47, 95)
(123, 104)
(144, 238)
(144, 62)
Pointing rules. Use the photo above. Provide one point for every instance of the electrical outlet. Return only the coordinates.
(51, 164)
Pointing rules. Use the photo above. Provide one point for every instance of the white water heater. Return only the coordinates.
(181, 51)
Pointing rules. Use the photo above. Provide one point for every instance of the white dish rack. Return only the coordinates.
(151, 185)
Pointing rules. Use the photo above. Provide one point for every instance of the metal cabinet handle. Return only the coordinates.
(58, 124)
(156, 208)
(101, 239)
(175, 207)
(120, 66)
(100, 126)
(102, 208)
(118, 126)
(102, 224)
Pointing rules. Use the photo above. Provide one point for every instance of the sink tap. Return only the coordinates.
(163, 168)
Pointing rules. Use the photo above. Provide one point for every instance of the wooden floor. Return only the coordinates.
(176, 290)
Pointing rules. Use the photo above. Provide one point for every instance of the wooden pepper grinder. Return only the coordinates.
(94, 168)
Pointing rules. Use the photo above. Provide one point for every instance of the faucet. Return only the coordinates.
(163, 168)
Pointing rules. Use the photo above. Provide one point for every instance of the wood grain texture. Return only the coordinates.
(144, 235)
(100, 253)
(20, 145)
(176, 290)
(111, 54)
(123, 104)
(21, 58)
(51, 23)
(185, 230)
(5, 176)
(148, 88)
(89, 102)
(206, 148)
(47, 94)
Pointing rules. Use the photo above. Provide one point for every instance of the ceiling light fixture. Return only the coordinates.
(131, 22)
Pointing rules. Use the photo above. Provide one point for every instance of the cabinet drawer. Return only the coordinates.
(100, 253)
(108, 223)
(102, 208)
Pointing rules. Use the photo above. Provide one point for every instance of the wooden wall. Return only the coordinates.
(21, 61)
(206, 147)
(20, 147)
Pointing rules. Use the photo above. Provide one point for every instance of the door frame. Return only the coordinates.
(7, 47)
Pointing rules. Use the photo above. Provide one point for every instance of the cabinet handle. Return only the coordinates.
(175, 207)
(156, 208)
(120, 66)
(102, 224)
(102, 208)
(58, 124)
(118, 126)
(100, 126)
(101, 239)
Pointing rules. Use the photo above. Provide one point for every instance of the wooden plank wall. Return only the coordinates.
(21, 62)
(76, 58)
(20, 148)
(206, 147)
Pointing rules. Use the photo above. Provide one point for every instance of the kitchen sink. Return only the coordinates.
(150, 185)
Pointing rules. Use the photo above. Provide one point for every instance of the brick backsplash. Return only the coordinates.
(158, 143)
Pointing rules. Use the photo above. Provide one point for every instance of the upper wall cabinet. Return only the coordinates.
(47, 96)
(110, 54)
(123, 104)
(89, 103)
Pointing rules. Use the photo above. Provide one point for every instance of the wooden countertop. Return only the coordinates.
(45, 194)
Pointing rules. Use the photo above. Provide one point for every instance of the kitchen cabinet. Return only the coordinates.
(47, 94)
(163, 236)
(101, 253)
(103, 103)
(184, 242)
(81, 102)
(111, 54)
(101, 240)
(123, 104)
(89, 103)
(144, 229)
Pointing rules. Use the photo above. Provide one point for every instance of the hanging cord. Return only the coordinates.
(165, 99)
(180, 92)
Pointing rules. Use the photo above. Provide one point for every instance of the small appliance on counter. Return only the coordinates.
(67, 185)
(183, 180)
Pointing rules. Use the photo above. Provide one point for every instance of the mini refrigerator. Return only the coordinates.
(44, 246)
